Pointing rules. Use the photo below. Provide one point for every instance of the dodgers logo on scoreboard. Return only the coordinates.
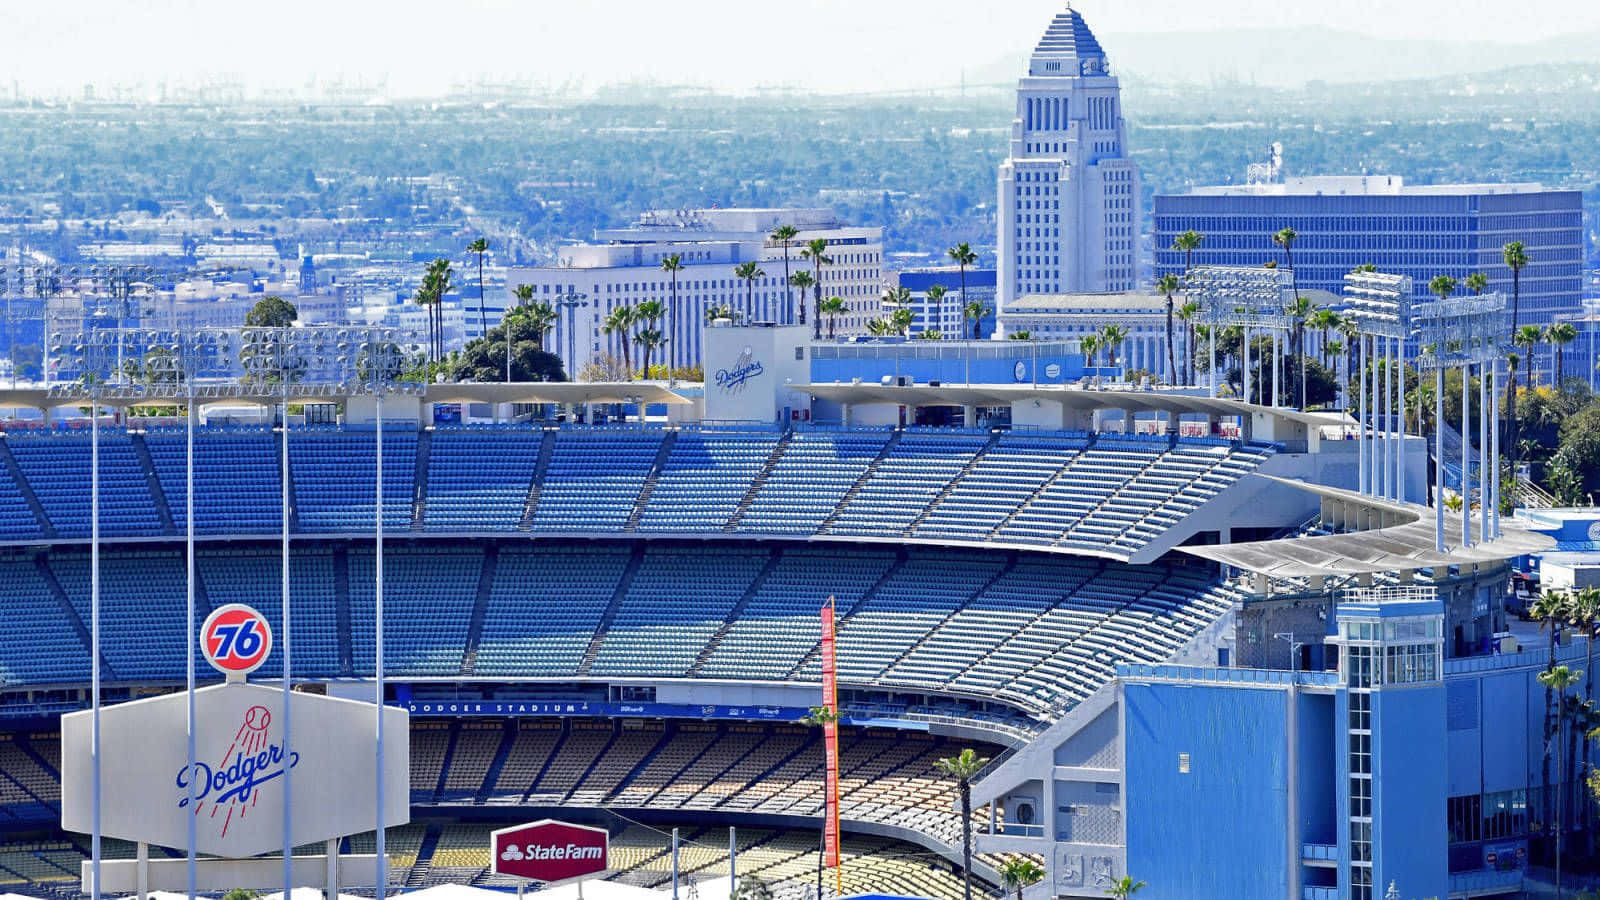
(232, 787)
(236, 639)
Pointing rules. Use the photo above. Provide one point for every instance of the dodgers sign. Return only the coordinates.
(243, 771)
(548, 850)
(235, 639)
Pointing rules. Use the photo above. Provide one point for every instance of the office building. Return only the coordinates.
(623, 268)
(1068, 193)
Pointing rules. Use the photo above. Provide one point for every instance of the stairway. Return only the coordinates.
(737, 612)
(547, 448)
(157, 494)
(639, 503)
(759, 481)
(816, 651)
(46, 527)
(850, 495)
(449, 757)
(1038, 492)
(1011, 561)
(419, 489)
(41, 561)
(419, 870)
(480, 606)
(508, 738)
(635, 559)
(341, 609)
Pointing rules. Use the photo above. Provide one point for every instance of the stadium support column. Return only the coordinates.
(189, 632)
(674, 864)
(1438, 459)
(1362, 451)
(1466, 472)
(94, 634)
(1485, 478)
(1211, 372)
(377, 628)
(1277, 376)
(1386, 407)
(1400, 419)
(1244, 346)
(1495, 474)
(288, 772)
(733, 861)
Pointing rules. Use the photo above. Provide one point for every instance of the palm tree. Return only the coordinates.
(542, 316)
(648, 314)
(649, 340)
(1020, 872)
(748, 272)
(672, 264)
(1516, 258)
(1443, 286)
(785, 234)
(1023, 335)
(1299, 311)
(963, 767)
(1558, 679)
(480, 247)
(1477, 283)
(723, 311)
(1584, 614)
(618, 322)
(935, 315)
(436, 282)
(424, 298)
(1350, 328)
(1549, 610)
(816, 251)
(833, 307)
(1559, 336)
(802, 282)
(1124, 888)
(930, 334)
(974, 312)
(880, 327)
(1527, 337)
(1168, 285)
(1089, 346)
(1111, 337)
(1188, 313)
(1188, 242)
(962, 255)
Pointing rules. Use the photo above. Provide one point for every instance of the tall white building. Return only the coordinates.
(623, 268)
(1068, 191)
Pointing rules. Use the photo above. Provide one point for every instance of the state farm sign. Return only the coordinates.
(548, 850)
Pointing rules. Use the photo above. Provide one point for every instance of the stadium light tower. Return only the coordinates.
(1249, 297)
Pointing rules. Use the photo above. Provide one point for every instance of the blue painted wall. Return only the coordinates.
(1319, 770)
(1018, 367)
(1409, 830)
(1219, 831)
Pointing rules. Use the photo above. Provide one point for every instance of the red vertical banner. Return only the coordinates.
(830, 737)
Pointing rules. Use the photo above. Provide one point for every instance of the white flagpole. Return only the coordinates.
(189, 642)
(94, 629)
(288, 772)
(383, 862)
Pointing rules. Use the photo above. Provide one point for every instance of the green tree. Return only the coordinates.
(815, 250)
(1299, 312)
(1019, 872)
(784, 235)
(1124, 888)
(1089, 346)
(1022, 335)
(271, 311)
(1549, 610)
(480, 247)
(241, 894)
(1188, 313)
(963, 768)
(485, 359)
(748, 272)
(1515, 256)
(802, 281)
(1168, 285)
(650, 338)
(1477, 283)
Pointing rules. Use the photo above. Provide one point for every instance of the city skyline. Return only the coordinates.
(836, 47)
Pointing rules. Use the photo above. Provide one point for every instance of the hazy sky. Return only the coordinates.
(423, 46)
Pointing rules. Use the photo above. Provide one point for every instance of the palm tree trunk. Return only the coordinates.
(1172, 359)
(816, 320)
(966, 838)
(483, 321)
(788, 292)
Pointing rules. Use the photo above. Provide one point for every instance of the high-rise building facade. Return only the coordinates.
(1068, 193)
(1345, 221)
(623, 268)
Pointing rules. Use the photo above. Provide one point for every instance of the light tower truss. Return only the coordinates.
(1246, 296)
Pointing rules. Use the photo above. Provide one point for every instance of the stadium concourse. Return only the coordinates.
(619, 624)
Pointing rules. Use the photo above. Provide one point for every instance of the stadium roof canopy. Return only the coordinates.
(1070, 396)
(1409, 544)
(267, 394)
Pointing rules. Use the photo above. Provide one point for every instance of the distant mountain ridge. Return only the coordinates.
(1292, 57)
